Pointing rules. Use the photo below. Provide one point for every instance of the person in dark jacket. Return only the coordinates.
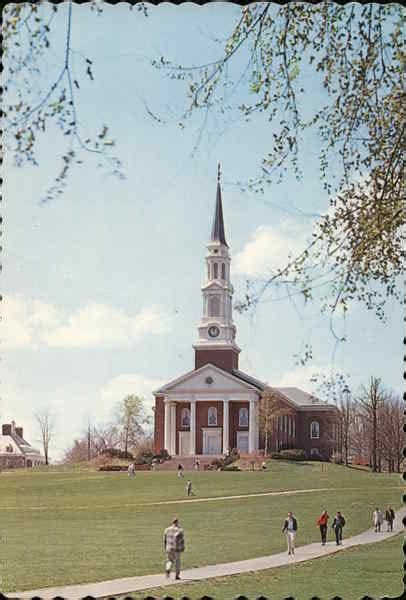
(390, 517)
(290, 529)
(338, 525)
(322, 524)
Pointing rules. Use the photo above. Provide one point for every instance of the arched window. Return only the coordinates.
(223, 271)
(185, 417)
(243, 417)
(314, 430)
(214, 306)
(212, 416)
(215, 271)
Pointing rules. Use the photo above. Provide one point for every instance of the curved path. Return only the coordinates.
(116, 587)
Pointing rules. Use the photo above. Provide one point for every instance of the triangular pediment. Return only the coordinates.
(213, 285)
(208, 378)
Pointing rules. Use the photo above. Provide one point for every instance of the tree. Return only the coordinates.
(46, 426)
(130, 420)
(30, 112)
(371, 400)
(391, 428)
(270, 407)
(355, 52)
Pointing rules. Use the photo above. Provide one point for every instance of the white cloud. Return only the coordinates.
(269, 248)
(28, 323)
(129, 383)
(300, 377)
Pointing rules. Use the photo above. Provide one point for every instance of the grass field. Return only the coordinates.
(375, 571)
(63, 526)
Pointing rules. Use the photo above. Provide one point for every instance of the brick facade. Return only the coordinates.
(224, 359)
(159, 418)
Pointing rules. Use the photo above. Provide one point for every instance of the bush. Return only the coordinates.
(113, 468)
(144, 457)
(231, 457)
(231, 468)
(162, 456)
(294, 454)
(217, 463)
(116, 453)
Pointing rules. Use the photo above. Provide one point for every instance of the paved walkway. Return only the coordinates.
(116, 587)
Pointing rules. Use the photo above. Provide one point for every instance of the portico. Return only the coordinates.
(210, 421)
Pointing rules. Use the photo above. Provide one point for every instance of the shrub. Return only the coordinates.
(231, 468)
(217, 463)
(144, 457)
(116, 453)
(231, 457)
(113, 468)
(294, 454)
(162, 455)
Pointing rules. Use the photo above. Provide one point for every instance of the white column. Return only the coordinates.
(167, 425)
(251, 430)
(192, 426)
(225, 426)
(172, 436)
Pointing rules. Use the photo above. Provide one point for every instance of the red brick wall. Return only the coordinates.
(202, 409)
(325, 443)
(225, 359)
(159, 424)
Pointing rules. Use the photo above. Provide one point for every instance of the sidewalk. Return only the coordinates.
(126, 585)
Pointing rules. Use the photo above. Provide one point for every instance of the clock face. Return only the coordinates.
(214, 331)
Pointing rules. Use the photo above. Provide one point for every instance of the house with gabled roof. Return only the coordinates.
(15, 451)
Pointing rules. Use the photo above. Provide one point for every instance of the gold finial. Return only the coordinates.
(218, 172)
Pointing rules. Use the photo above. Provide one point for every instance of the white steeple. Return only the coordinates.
(216, 328)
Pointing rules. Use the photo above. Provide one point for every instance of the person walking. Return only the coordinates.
(174, 545)
(389, 518)
(189, 488)
(290, 529)
(197, 464)
(131, 470)
(180, 470)
(263, 465)
(377, 519)
(338, 525)
(322, 524)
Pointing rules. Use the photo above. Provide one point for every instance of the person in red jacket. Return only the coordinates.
(322, 524)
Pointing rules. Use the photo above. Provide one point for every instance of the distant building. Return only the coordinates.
(15, 451)
(216, 406)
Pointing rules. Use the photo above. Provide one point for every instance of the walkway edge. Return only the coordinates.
(116, 587)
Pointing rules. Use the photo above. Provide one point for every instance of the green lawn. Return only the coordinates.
(375, 571)
(64, 526)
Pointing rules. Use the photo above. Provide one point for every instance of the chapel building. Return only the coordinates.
(217, 407)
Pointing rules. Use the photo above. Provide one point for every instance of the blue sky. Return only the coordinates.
(102, 285)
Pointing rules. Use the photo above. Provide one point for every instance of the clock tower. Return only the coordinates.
(216, 342)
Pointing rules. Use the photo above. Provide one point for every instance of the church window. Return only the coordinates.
(185, 417)
(243, 417)
(293, 427)
(215, 271)
(223, 271)
(214, 306)
(212, 416)
(314, 430)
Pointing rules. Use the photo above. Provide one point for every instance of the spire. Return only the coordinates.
(217, 232)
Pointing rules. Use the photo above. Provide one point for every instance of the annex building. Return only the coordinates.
(216, 406)
(15, 451)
